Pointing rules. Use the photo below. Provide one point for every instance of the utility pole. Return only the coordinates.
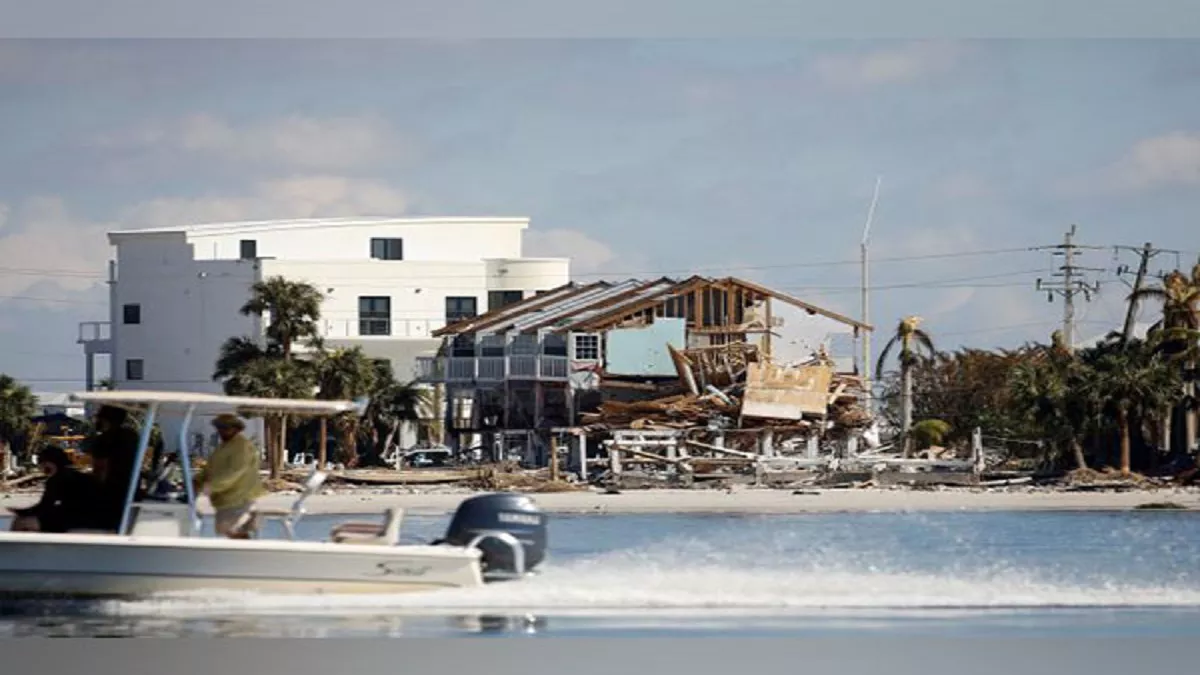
(1131, 310)
(1072, 283)
(1147, 252)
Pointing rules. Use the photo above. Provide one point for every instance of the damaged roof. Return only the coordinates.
(574, 306)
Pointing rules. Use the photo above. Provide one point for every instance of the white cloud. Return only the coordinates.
(61, 254)
(1170, 159)
(296, 141)
(588, 256)
(41, 241)
(297, 197)
(907, 63)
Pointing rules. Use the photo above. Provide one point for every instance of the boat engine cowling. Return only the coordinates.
(485, 519)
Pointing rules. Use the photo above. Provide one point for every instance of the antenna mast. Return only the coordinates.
(866, 305)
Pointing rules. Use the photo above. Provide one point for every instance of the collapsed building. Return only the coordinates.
(683, 378)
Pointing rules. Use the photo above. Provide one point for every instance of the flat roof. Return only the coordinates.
(215, 229)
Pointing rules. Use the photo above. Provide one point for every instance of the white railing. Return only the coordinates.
(94, 331)
(380, 328)
(491, 368)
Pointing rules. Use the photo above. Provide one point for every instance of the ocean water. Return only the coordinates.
(944, 574)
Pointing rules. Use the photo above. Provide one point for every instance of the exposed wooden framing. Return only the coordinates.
(718, 449)
(727, 318)
(728, 330)
(620, 313)
(797, 302)
(704, 306)
(767, 300)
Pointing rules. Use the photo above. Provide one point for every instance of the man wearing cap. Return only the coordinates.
(231, 476)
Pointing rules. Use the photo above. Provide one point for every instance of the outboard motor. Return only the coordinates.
(497, 523)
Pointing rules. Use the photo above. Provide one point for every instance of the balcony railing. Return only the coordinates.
(491, 368)
(379, 328)
(94, 331)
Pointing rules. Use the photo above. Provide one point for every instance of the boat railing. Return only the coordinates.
(289, 517)
(514, 545)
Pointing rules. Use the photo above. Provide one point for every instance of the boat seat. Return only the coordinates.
(288, 517)
(386, 533)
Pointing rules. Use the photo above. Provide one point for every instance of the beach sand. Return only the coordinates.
(737, 501)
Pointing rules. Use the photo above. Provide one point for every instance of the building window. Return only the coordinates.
(132, 314)
(134, 369)
(387, 249)
(460, 307)
(374, 315)
(587, 347)
(248, 249)
(498, 299)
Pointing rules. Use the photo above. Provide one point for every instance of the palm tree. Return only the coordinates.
(1175, 334)
(346, 374)
(931, 432)
(269, 377)
(1050, 393)
(18, 406)
(392, 404)
(294, 309)
(236, 352)
(1132, 380)
(909, 337)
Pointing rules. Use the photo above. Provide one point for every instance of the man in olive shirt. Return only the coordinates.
(231, 476)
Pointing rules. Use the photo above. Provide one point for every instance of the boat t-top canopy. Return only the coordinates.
(140, 400)
(192, 402)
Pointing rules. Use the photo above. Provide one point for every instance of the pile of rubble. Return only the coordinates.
(736, 384)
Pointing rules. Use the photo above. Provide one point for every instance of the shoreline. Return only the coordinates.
(747, 501)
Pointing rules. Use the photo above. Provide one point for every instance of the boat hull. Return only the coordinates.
(40, 565)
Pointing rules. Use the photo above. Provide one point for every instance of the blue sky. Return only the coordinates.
(750, 157)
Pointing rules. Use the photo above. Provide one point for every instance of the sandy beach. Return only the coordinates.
(738, 501)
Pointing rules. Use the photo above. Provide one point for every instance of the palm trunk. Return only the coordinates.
(1077, 451)
(322, 453)
(554, 459)
(1165, 428)
(387, 442)
(1123, 428)
(906, 412)
(280, 459)
(1189, 417)
(274, 451)
(350, 444)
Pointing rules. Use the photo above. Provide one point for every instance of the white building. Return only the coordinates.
(175, 292)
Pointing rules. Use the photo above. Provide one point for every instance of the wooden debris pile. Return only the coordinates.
(736, 386)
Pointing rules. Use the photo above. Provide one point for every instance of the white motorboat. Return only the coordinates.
(159, 547)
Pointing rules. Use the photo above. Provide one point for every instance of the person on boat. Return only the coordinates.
(231, 477)
(69, 498)
(114, 453)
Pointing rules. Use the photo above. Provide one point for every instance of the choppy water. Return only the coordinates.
(1121, 574)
